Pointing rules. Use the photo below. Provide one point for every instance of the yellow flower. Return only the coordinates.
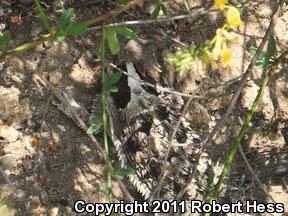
(221, 4)
(233, 17)
(226, 57)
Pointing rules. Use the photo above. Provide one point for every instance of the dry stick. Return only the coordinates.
(194, 14)
(254, 174)
(158, 187)
(59, 96)
(220, 124)
(44, 115)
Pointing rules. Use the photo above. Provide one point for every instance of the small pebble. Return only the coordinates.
(54, 211)
(8, 162)
(19, 194)
(10, 134)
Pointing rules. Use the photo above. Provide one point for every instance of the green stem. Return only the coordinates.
(104, 114)
(43, 17)
(51, 36)
(27, 46)
(232, 152)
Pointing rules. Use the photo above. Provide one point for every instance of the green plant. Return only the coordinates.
(69, 30)
(186, 5)
(266, 58)
(122, 2)
(4, 40)
(64, 25)
(158, 7)
(66, 28)
(43, 16)
(271, 49)
(108, 81)
(217, 49)
(95, 125)
(187, 57)
(119, 172)
(111, 34)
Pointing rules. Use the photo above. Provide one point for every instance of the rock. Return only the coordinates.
(249, 94)
(9, 134)
(265, 105)
(69, 211)
(15, 148)
(169, 69)
(34, 199)
(11, 108)
(36, 30)
(8, 162)
(9, 98)
(280, 87)
(5, 190)
(54, 211)
(28, 144)
(19, 195)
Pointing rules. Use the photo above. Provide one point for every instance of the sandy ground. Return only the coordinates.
(52, 162)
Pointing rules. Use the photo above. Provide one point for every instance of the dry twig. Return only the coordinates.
(254, 174)
(193, 14)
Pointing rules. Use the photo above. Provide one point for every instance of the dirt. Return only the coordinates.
(52, 163)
